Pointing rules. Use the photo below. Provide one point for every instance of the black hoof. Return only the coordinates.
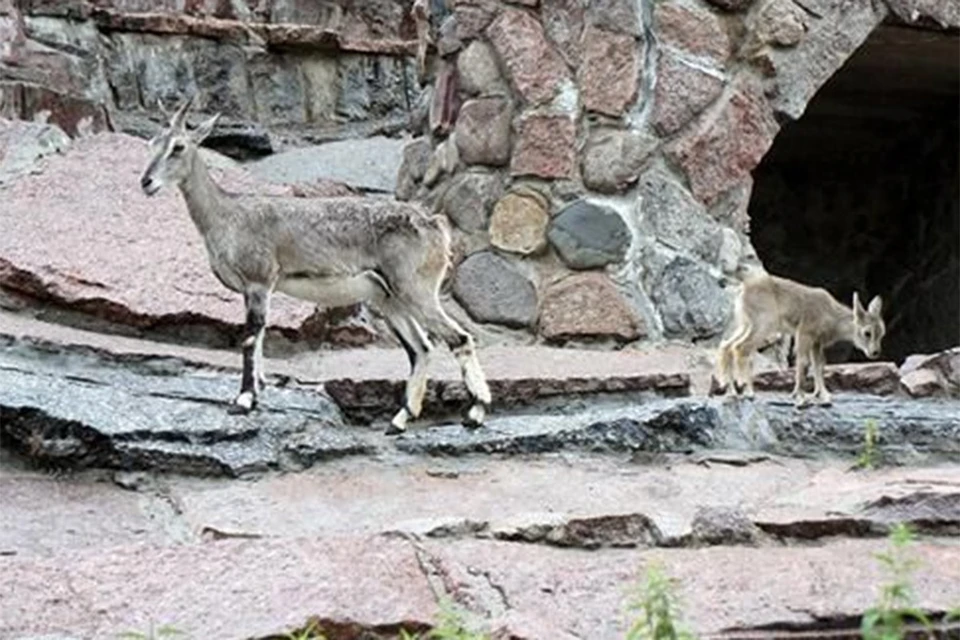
(716, 389)
(393, 430)
(474, 417)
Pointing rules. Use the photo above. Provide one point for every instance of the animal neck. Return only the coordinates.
(205, 199)
(843, 327)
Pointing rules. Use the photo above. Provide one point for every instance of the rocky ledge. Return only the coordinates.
(79, 407)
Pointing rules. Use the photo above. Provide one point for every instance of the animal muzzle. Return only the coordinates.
(149, 185)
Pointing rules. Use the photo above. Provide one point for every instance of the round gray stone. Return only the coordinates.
(470, 199)
(587, 235)
(491, 289)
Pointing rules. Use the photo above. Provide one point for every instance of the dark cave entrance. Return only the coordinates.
(863, 191)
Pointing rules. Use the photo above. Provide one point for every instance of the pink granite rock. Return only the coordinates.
(683, 91)
(609, 71)
(532, 63)
(721, 150)
(692, 29)
(545, 147)
(587, 305)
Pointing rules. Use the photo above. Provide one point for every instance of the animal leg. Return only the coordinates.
(436, 321)
(260, 378)
(725, 361)
(783, 351)
(418, 348)
(744, 363)
(256, 300)
(803, 352)
(819, 386)
(743, 348)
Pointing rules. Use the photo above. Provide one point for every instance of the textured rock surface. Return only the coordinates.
(683, 91)
(370, 164)
(493, 290)
(587, 235)
(151, 270)
(693, 30)
(545, 147)
(470, 199)
(479, 73)
(161, 415)
(690, 300)
(674, 217)
(609, 71)
(519, 222)
(24, 145)
(615, 15)
(483, 131)
(802, 70)
(588, 306)
(722, 150)
(416, 158)
(932, 375)
(532, 63)
(613, 158)
(780, 23)
(563, 22)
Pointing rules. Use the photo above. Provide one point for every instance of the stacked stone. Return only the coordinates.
(595, 157)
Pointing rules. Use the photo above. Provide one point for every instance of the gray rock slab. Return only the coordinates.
(78, 409)
(369, 164)
(73, 408)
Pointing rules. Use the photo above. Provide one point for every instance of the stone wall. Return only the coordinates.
(596, 156)
(281, 72)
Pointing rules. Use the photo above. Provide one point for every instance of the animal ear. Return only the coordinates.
(857, 307)
(200, 133)
(875, 306)
(178, 119)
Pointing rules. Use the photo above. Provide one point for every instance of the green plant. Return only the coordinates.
(165, 631)
(657, 609)
(869, 457)
(450, 626)
(888, 619)
(310, 632)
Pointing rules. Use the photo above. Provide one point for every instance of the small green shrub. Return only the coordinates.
(888, 619)
(450, 626)
(311, 632)
(869, 457)
(657, 609)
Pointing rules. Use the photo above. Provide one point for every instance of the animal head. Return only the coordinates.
(868, 326)
(174, 150)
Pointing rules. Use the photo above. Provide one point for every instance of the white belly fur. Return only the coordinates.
(331, 292)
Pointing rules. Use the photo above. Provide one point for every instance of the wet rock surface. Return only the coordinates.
(581, 480)
(78, 408)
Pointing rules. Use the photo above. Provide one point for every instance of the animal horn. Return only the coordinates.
(180, 116)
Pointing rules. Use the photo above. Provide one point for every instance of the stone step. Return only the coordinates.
(378, 584)
(83, 407)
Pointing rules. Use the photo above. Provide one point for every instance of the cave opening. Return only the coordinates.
(863, 191)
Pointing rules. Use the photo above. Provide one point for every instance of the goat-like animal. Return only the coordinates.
(768, 306)
(331, 251)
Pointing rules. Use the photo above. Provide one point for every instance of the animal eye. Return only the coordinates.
(867, 333)
(178, 148)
